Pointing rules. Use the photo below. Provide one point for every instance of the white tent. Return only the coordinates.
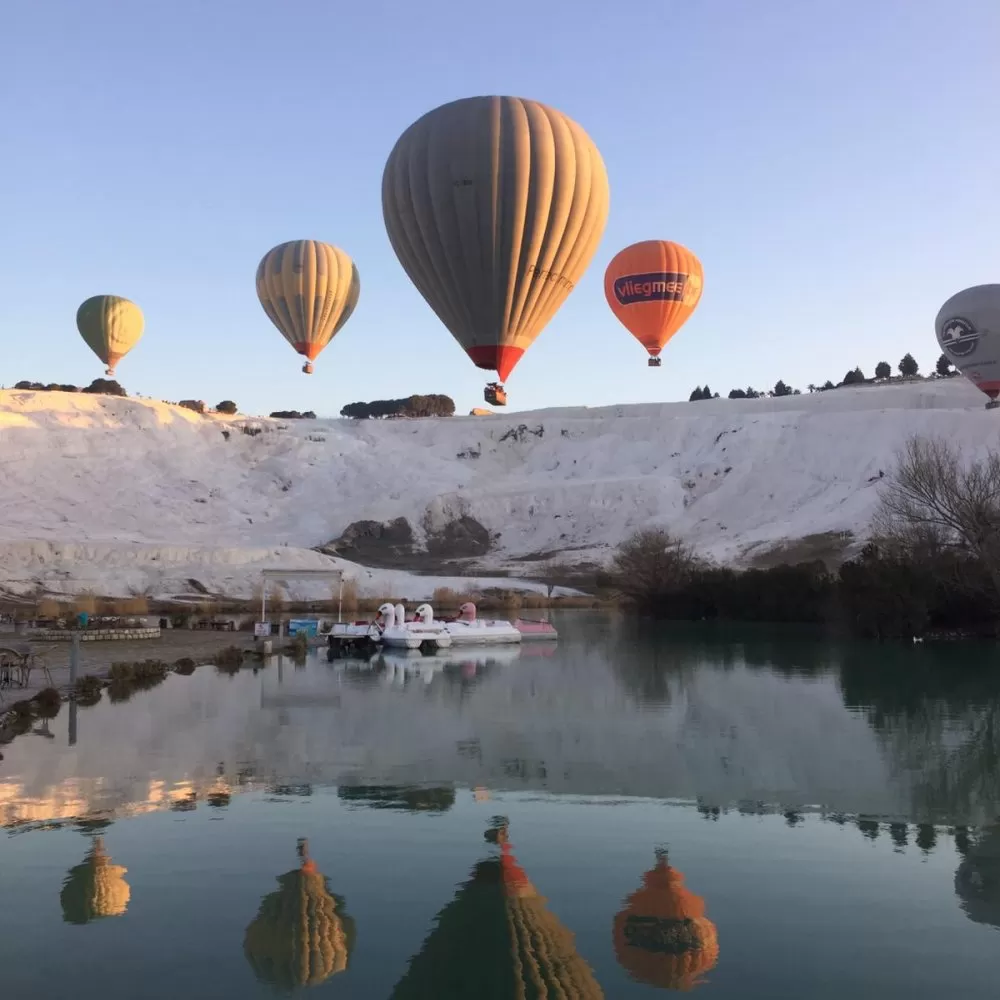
(284, 575)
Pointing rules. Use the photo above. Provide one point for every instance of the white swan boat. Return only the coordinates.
(396, 631)
(467, 629)
(400, 664)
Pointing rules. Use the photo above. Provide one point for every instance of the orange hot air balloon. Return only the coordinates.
(653, 287)
(663, 937)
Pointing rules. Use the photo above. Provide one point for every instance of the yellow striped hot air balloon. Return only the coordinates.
(309, 291)
(301, 936)
(110, 326)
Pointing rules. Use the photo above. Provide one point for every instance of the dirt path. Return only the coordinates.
(97, 657)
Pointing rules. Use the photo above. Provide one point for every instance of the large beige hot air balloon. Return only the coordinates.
(494, 207)
(110, 326)
(94, 889)
(497, 938)
(309, 291)
(300, 936)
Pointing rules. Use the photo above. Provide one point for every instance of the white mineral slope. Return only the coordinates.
(136, 494)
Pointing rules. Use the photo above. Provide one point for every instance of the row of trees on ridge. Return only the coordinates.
(907, 367)
(432, 405)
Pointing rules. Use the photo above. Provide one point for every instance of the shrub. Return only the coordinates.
(48, 702)
(22, 710)
(105, 387)
(227, 406)
(184, 666)
(297, 647)
(293, 415)
(87, 690)
(433, 405)
(883, 370)
(651, 566)
(231, 656)
(197, 405)
(121, 672)
(51, 387)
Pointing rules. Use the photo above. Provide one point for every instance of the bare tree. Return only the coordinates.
(651, 564)
(936, 501)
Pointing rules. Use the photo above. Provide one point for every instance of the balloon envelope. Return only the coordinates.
(110, 326)
(652, 288)
(309, 291)
(968, 332)
(494, 207)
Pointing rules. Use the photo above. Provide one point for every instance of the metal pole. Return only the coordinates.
(72, 722)
(74, 658)
(263, 599)
(340, 600)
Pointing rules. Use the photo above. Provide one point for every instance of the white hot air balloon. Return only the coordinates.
(968, 331)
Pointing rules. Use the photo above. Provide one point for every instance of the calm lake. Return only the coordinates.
(633, 810)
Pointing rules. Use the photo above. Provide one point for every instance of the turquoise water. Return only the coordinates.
(825, 816)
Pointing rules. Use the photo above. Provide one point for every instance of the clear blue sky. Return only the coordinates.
(834, 163)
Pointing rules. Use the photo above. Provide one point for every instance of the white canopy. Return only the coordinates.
(284, 575)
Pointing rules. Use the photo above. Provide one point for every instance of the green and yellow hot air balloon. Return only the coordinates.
(110, 326)
(309, 291)
(94, 889)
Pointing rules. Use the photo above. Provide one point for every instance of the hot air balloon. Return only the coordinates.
(300, 936)
(110, 326)
(498, 939)
(94, 889)
(494, 207)
(968, 331)
(309, 291)
(663, 937)
(977, 880)
(653, 287)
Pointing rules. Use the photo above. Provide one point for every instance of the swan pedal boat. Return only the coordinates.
(398, 632)
(467, 629)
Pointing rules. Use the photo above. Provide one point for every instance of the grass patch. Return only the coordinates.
(128, 606)
(49, 607)
(85, 603)
(445, 597)
(349, 598)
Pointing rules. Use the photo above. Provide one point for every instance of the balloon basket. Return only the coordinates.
(308, 368)
(654, 362)
(993, 404)
(495, 394)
